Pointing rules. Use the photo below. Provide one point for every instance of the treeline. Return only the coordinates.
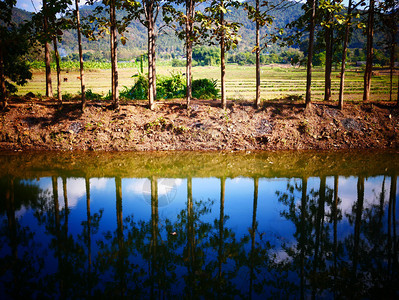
(320, 36)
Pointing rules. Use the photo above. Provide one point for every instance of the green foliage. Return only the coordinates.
(206, 56)
(138, 91)
(205, 88)
(171, 87)
(222, 30)
(14, 47)
(178, 63)
(90, 95)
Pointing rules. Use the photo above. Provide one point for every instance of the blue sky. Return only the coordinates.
(30, 5)
(27, 4)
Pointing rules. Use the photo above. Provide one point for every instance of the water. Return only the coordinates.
(199, 225)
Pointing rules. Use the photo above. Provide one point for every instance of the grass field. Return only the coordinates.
(276, 81)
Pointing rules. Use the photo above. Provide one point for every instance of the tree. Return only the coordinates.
(312, 5)
(55, 32)
(192, 31)
(344, 52)
(147, 11)
(13, 47)
(331, 10)
(297, 30)
(388, 17)
(47, 60)
(81, 69)
(224, 32)
(369, 51)
(114, 53)
(260, 19)
(109, 24)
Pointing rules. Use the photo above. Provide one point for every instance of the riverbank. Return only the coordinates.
(32, 124)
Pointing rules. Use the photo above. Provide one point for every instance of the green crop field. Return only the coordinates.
(276, 81)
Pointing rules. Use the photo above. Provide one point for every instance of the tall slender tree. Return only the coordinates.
(189, 29)
(102, 24)
(147, 12)
(344, 53)
(369, 51)
(260, 18)
(47, 58)
(81, 66)
(224, 32)
(114, 54)
(388, 19)
(308, 97)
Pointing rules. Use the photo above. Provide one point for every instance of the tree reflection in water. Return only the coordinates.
(198, 253)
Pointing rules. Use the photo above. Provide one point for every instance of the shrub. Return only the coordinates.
(178, 63)
(205, 88)
(138, 91)
(90, 95)
(171, 87)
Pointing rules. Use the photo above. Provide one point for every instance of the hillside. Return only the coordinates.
(168, 43)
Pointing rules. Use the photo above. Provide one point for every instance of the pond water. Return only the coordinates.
(199, 225)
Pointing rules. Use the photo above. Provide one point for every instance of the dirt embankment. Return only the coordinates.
(41, 125)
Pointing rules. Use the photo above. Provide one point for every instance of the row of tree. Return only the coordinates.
(203, 22)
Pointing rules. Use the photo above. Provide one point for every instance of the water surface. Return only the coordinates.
(199, 225)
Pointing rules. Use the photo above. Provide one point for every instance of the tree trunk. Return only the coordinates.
(222, 61)
(57, 61)
(151, 75)
(328, 69)
(114, 57)
(82, 83)
(154, 61)
(3, 90)
(344, 51)
(257, 51)
(391, 64)
(397, 96)
(47, 59)
(308, 100)
(369, 58)
(189, 48)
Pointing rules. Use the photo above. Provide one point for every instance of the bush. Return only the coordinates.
(138, 91)
(90, 95)
(205, 88)
(178, 63)
(171, 87)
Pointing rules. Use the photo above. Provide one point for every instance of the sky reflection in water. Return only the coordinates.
(200, 237)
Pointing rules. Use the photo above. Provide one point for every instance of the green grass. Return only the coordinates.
(276, 81)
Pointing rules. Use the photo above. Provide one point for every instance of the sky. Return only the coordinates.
(31, 5)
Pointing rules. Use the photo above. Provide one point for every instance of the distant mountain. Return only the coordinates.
(168, 44)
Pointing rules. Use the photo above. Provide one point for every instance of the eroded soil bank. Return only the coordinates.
(42, 125)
